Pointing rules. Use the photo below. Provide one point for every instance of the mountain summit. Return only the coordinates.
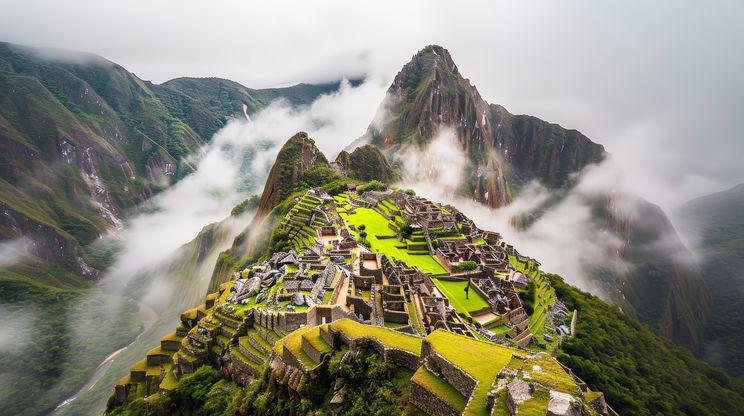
(506, 151)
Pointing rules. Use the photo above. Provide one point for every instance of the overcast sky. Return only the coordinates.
(659, 83)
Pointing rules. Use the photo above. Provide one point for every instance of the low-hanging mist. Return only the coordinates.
(564, 237)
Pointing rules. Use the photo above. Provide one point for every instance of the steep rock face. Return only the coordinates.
(505, 151)
(718, 221)
(660, 282)
(366, 163)
(295, 157)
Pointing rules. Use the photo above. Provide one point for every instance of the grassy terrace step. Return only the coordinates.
(140, 365)
(228, 330)
(186, 356)
(313, 338)
(386, 336)
(221, 316)
(250, 348)
(169, 382)
(222, 340)
(256, 336)
(440, 388)
(243, 358)
(160, 351)
(293, 342)
(127, 379)
(154, 370)
(452, 347)
(172, 337)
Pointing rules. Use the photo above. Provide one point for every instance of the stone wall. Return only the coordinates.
(290, 358)
(170, 345)
(240, 366)
(399, 317)
(459, 379)
(402, 358)
(328, 337)
(360, 306)
(293, 320)
(429, 402)
(310, 350)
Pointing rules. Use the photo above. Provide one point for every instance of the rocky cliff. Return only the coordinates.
(83, 141)
(505, 151)
(295, 157)
(366, 163)
(660, 282)
(718, 221)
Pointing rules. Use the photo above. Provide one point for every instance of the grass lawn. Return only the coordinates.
(546, 371)
(386, 336)
(472, 356)
(377, 225)
(455, 292)
(293, 342)
(500, 329)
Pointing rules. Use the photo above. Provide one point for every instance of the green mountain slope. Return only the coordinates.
(639, 372)
(719, 221)
(83, 144)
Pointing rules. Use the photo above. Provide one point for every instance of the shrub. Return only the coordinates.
(465, 266)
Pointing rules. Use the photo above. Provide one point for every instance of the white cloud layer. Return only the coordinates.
(620, 73)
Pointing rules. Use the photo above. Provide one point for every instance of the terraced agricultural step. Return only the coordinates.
(255, 339)
(247, 364)
(232, 322)
(227, 331)
(259, 357)
(222, 341)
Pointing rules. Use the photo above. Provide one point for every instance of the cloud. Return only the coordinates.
(440, 162)
(234, 165)
(619, 73)
(13, 251)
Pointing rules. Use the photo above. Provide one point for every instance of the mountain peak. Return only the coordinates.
(297, 155)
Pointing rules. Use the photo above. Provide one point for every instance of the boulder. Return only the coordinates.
(252, 286)
(298, 299)
(516, 392)
(309, 301)
(562, 404)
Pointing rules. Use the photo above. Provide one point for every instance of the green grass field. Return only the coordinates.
(455, 292)
(377, 225)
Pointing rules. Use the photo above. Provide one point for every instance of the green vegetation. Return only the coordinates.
(451, 347)
(464, 266)
(377, 226)
(719, 220)
(640, 373)
(386, 336)
(455, 292)
(249, 204)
